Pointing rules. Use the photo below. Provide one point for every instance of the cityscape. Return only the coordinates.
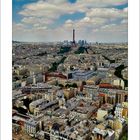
(74, 88)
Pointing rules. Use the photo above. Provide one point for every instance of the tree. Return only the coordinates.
(71, 68)
(74, 85)
(67, 85)
(84, 83)
(56, 83)
(60, 85)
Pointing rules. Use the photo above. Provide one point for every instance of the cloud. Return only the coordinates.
(112, 33)
(122, 27)
(124, 21)
(100, 3)
(47, 12)
(103, 33)
(86, 23)
(38, 17)
(107, 13)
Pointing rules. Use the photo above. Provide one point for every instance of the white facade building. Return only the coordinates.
(31, 126)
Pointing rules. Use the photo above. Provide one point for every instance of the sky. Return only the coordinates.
(54, 20)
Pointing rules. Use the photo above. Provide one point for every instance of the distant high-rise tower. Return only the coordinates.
(73, 35)
(74, 38)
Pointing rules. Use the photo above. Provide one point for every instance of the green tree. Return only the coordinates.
(60, 85)
(74, 85)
